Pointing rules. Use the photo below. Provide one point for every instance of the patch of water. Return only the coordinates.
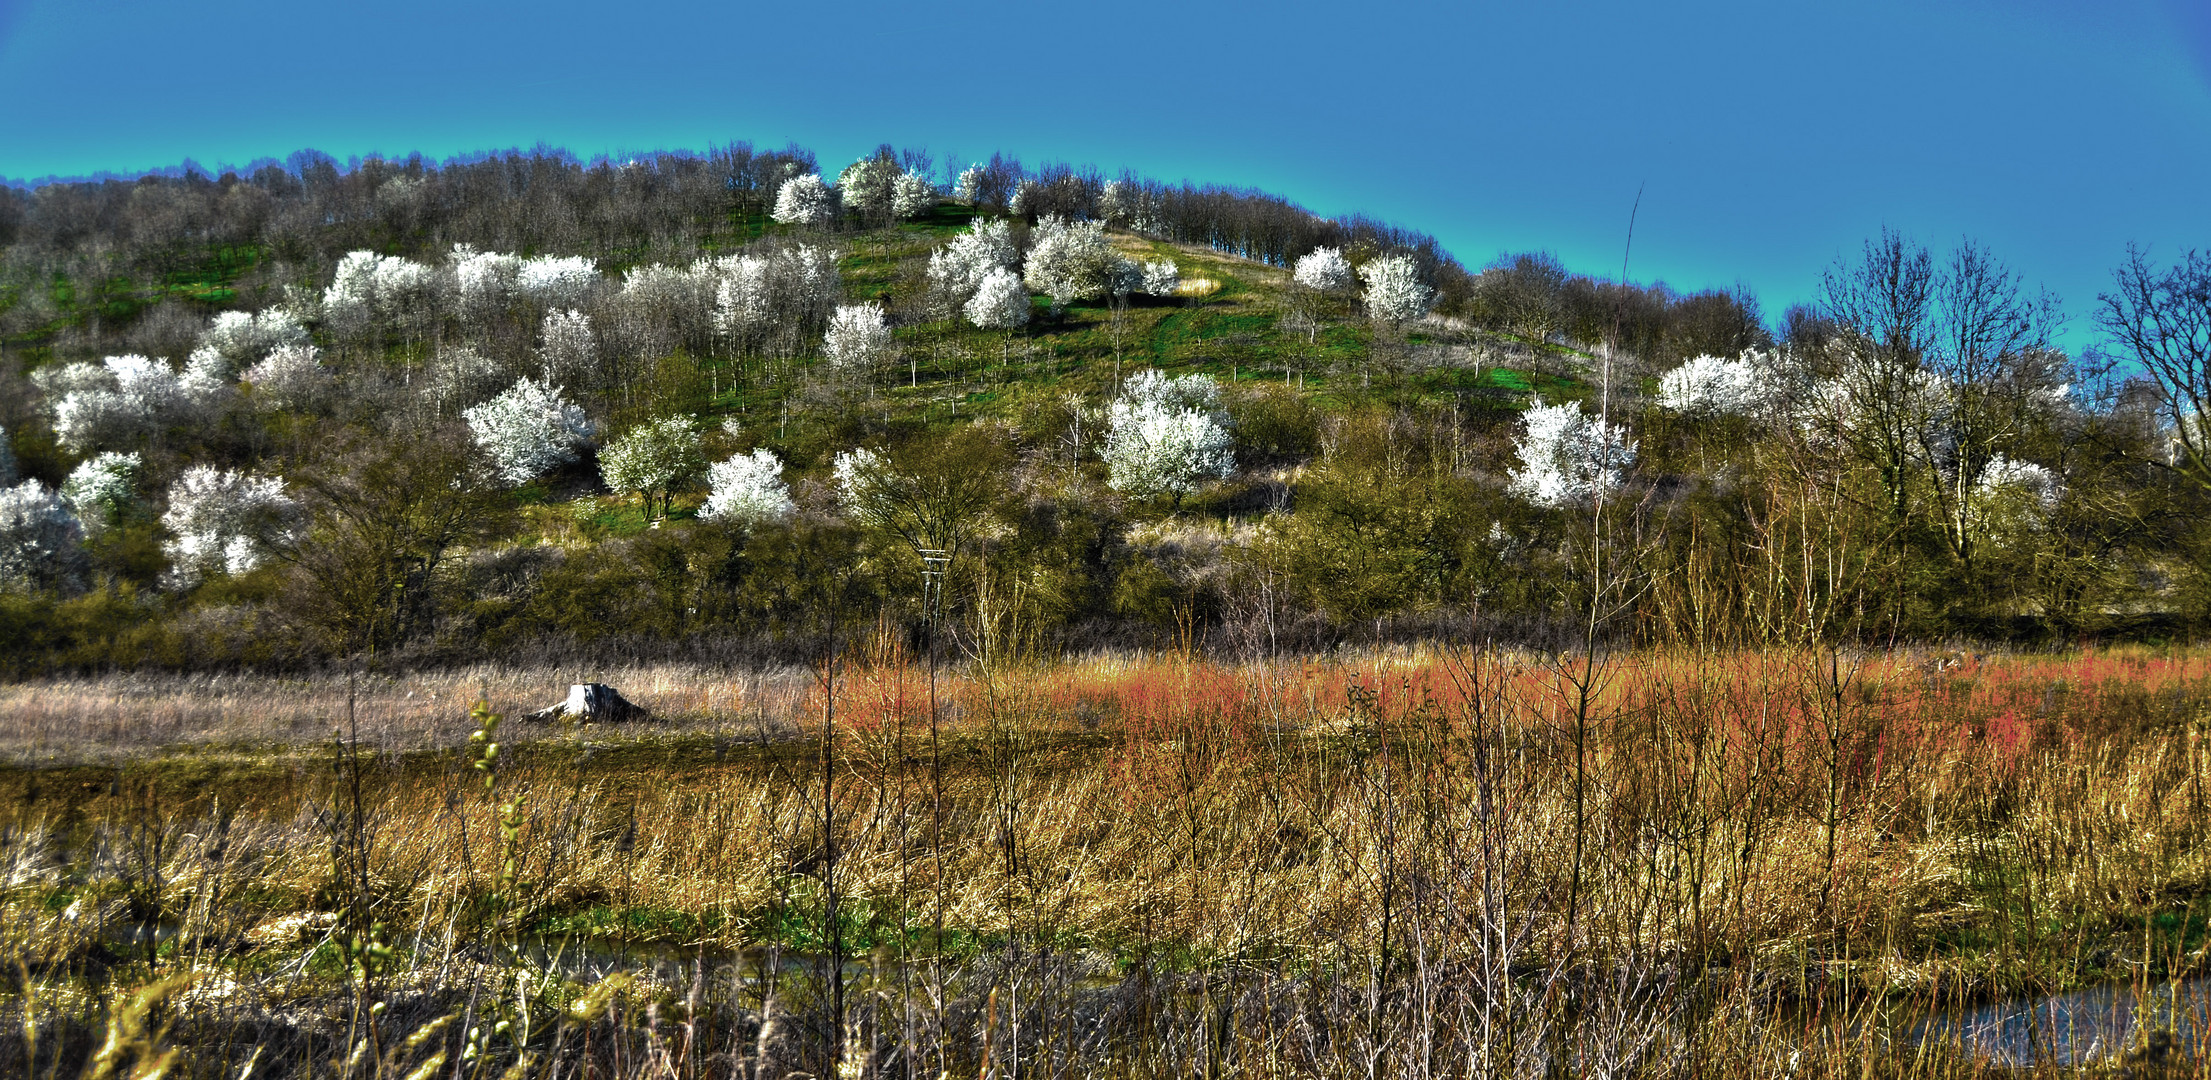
(2100, 1023)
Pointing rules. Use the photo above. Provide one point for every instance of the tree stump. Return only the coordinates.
(593, 703)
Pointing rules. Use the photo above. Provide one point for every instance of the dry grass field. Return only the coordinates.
(1413, 863)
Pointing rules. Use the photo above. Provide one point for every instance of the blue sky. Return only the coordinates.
(1768, 137)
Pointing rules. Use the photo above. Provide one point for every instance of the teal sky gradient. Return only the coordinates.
(1768, 138)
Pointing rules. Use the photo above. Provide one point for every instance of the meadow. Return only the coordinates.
(1411, 861)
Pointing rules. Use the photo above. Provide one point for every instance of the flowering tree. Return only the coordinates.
(1395, 293)
(868, 186)
(102, 489)
(859, 338)
(484, 282)
(528, 430)
(123, 399)
(1165, 436)
(1161, 278)
(239, 338)
(656, 456)
(1000, 302)
(747, 490)
(775, 301)
(369, 287)
(41, 542)
(970, 186)
(957, 269)
(462, 378)
(7, 460)
(226, 522)
(555, 281)
(569, 351)
(1567, 457)
(291, 378)
(912, 195)
(1710, 385)
(1070, 261)
(1323, 269)
(805, 200)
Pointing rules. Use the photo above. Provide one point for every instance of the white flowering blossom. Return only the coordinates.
(239, 338)
(1568, 457)
(368, 286)
(759, 298)
(957, 269)
(484, 282)
(1711, 385)
(291, 378)
(528, 430)
(1162, 278)
(102, 489)
(568, 349)
(2006, 477)
(657, 455)
(859, 338)
(1069, 261)
(556, 281)
(858, 476)
(122, 399)
(747, 490)
(912, 195)
(970, 186)
(41, 542)
(1323, 268)
(1394, 291)
(868, 185)
(461, 377)
(226, 522)
(805, 200)
(1117, 201)
(1166, 436)
(1023, 202)
(1000, 302)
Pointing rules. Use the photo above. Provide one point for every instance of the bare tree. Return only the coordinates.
(2163, 319)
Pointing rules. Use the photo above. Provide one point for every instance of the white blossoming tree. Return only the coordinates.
(969, 189)
(103, 490)
(912, 196)
(41, 542)
(805, 200)
(1395, 293)
(123, 399)
(859, 339)
(224, 522)
(241, 338)
(1323, 269)
(1567, 457)
(655, 457)
(556, 281)
(1162, 278)
(1070, 261)
(1710, 385)
(958, 268)
(568, 350)
(1166, 436)
(747, 490)
(291, 378)
(528, 430)
(484, 282)
(1000, 302)
(371, 292)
